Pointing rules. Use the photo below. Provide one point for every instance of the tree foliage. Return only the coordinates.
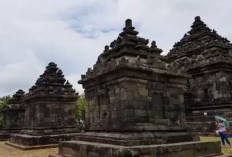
(80, 109)
(3, 102)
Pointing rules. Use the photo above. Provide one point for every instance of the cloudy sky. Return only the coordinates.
(73, 33)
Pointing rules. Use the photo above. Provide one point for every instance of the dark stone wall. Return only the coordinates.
(210, 84)
(120, 104)
(211, 89)
(13, 119)
(14, 113)
(50, 115)
(50, 104)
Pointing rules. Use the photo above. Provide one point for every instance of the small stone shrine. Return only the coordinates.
(13, 115)
(207, 57)
(135, 105)
(49, 112)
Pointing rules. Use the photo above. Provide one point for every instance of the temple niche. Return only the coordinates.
(49, 112)
(135, 103)
(206, 56)
(13, 115)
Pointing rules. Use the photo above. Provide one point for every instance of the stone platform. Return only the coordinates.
(25, 142)
(5, 133)
(184, 149)
(4, 136)
(136, 138)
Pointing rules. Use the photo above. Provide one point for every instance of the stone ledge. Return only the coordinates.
(28, 141)
(184, 149)
(24, 147)
(4, 137)
(135, 138)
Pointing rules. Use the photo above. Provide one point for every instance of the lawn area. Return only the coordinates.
(7, 151)
(224, 150)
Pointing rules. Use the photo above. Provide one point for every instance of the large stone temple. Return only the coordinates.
(135, 105)
(49, 112)
(207, 58)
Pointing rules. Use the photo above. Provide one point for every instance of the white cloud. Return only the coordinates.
(73, 33)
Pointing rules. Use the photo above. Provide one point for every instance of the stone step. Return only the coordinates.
(136, 138)
(214, 110)
(226, 112)
(211, 107)
(184, 149)
(209, 134)
(201, 126)
(200, 118)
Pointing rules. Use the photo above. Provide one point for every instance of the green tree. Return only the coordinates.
(3, 102)
(80, 109)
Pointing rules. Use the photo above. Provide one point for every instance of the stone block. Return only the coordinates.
(116, 90)
(141, 113)
(143, 91)
(143, 105)
(114, 99)
(126, 96)
(128, 113)
(128, 104)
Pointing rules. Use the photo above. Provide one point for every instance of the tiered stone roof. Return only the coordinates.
(199, 47)
(16, 102)
(200, 39)
(129, 51)
(128, 43)
(51, 82)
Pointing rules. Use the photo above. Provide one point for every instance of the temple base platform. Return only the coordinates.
(183, 149)
(137, 144)
(25, 142)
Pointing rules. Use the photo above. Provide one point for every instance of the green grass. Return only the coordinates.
(224, 150)
(7, 151)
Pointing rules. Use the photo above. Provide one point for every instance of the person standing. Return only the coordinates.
(223, 133)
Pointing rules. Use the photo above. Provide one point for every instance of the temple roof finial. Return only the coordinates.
(153, 44)
(197, 18)
(128, 23)
(198, 22)
(128, 29)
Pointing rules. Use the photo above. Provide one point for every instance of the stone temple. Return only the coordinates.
(49, 112)
(207, 58)
(13, 115)
(135, 105)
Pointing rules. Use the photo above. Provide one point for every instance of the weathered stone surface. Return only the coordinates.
(135, 103)
(23, 141)
(206, 56)
(50, 110)
(13, 115)
(14, 112)
(186, 149)
(130, 84)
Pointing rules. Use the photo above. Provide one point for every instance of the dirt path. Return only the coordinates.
(7, 151)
